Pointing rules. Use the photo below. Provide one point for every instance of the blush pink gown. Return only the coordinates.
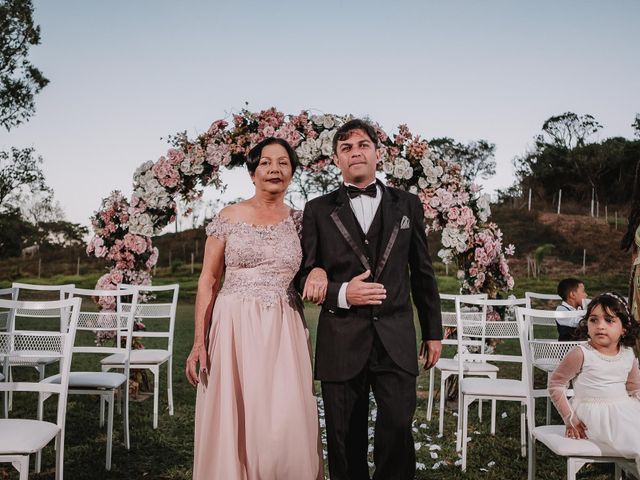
(256, 413)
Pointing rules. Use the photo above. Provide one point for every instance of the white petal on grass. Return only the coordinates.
(438, 464)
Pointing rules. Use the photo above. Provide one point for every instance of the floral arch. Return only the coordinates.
(123, 229)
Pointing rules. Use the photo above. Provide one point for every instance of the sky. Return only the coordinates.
(126, 74)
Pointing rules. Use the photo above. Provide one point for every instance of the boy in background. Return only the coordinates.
(572, 292)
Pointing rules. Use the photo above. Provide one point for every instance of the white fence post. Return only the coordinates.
(559, 200)
(584, 261)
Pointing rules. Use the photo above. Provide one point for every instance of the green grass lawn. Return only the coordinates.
(166, 453)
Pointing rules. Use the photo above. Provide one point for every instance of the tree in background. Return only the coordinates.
(20, 173)
(20, 81)
(566, 156)
(636, 125)
(568, 130)
(476, 158)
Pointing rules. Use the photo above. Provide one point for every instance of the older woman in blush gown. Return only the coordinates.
(256, 413)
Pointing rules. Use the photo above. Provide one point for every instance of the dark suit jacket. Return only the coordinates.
(331, 240)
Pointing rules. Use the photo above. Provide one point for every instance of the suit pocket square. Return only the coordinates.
(404, 223)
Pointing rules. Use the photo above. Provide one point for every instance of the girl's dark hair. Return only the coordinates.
(253, 158)
(634, 214)
(615, 304)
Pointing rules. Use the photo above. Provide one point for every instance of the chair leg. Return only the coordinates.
(156, 394)
(170, 385)
(443, 384)
(459, 422)
(110, 400)
(523, 430)
(125, 415)
(465, 419)
(101, 411)
(40, 417)
(22, 465)
(430, 398)
(531, 461)
(573, 467)
(493, 417)
(60, 455)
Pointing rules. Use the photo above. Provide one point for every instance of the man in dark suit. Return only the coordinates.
(370, 239)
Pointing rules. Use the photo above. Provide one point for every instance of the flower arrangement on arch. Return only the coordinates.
(451, 206)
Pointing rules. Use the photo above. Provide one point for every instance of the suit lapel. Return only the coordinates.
(390, 227)
(344, 219)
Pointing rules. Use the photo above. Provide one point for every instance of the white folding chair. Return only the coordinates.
(19, 438)
(8, 294)
(104, 384)
(448, 367)
(163, 316)
(33, 292)
(548, 318)
(547, 355)
(473, 334)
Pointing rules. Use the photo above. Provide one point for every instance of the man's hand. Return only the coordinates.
(360, 292)
(430, 352)
(315, 287)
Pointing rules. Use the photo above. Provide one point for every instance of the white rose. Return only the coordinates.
(317, 119)
(426, 163)
(413, 189)
(398, 171)
(422, 183)
(328, 122)
(387, 167)
(408, 173)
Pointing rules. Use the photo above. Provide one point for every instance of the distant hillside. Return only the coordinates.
(570, 234)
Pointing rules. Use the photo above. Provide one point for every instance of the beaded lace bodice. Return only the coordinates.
(260, 260)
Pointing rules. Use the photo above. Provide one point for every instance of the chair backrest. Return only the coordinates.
(34, 344)
(475, 330)
(110, 321)
(10, 294)
(545, 354)
(548, 317)
(152, 310)
(449, 318)
(33, 292)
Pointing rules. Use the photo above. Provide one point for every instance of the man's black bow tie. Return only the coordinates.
(370, 190)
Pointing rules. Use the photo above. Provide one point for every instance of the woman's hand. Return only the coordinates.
(315, 287)
(197, 356)
(577, 429)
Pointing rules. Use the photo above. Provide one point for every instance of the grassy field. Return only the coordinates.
(166, 453)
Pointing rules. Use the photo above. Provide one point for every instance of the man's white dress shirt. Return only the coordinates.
(364, 207)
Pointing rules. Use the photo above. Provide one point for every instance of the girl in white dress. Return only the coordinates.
(606, 380)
